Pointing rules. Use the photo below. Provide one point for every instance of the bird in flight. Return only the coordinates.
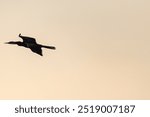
(29, 42)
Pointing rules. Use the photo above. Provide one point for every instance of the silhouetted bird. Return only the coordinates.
(30, 42)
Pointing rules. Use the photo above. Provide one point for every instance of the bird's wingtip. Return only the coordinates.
(19, 34)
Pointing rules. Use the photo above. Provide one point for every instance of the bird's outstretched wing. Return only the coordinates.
(37, 50)
(27, 39)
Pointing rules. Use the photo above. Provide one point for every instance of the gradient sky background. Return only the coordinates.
(102, 49)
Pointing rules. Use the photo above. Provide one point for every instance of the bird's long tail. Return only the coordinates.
(48, 47)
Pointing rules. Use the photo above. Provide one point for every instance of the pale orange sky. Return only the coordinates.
(102, 49)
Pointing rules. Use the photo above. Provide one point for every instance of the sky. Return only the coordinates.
(102, 49)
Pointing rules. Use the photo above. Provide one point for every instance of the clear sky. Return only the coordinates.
(102, 49)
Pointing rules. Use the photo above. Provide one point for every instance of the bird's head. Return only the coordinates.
(10, 42)
(14, 42)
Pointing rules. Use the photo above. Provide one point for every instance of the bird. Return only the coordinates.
(30, 42)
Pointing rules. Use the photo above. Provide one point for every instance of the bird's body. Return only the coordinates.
(31, 43)
(29, 40)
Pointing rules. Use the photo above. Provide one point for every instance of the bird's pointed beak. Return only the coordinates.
(6, 43)
(11, 42)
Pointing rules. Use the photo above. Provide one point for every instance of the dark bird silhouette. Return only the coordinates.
(31, 43)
